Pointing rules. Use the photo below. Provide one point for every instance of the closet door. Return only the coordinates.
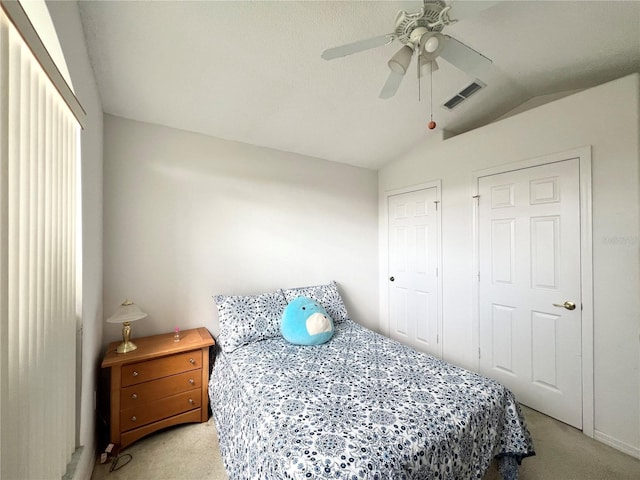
(413, 287)
(529, 289)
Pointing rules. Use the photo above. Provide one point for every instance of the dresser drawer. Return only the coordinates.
(159, 409)
(141, 393)
(161, 367)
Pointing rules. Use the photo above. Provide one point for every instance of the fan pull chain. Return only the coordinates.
(419, 77)
(431, 124)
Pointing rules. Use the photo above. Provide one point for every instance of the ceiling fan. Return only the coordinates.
(419, 32)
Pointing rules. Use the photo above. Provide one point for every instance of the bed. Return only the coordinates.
(361, 406)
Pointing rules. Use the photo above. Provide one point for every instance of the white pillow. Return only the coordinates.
(326, 294)
(247, 319)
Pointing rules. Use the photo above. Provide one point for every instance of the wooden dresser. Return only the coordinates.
(160, 384)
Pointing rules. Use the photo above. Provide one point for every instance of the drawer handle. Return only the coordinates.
(133, 419)
(191, 401)
(135, 374)
(192, 381)
(134, 396)
(192, 361)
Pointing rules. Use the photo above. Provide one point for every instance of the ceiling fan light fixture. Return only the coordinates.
(399, 63)
(431, 45)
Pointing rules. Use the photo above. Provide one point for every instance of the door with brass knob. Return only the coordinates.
(529, 281)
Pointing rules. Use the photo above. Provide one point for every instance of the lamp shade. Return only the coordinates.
(127, 312)
(399, 63)
(431, 44)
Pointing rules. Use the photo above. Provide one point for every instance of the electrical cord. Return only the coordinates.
(116, 460)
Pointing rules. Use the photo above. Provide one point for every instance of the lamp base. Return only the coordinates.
(126, 347)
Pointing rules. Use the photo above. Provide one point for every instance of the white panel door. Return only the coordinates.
(529, 236)
(413, 265)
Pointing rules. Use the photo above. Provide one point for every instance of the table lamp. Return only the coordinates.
(125, 314)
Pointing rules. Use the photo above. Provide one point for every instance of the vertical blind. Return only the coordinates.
(39, 213)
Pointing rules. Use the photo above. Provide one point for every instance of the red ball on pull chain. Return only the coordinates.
(431, 125)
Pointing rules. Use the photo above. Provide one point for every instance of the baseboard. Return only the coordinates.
(86, 462)
(617, 444)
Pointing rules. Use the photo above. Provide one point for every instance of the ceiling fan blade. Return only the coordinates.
(424, 66)
(391, 85)
(359, 46)
(465, 58)
(461, 10)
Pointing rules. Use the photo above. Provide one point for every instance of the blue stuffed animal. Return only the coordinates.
(306, 322)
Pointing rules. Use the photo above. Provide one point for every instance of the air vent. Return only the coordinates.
(463, 95)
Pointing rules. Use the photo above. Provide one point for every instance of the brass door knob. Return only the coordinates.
(568, 305)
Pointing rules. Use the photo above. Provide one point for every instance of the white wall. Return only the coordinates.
(188, 216)
(606, 118)
(66, 18)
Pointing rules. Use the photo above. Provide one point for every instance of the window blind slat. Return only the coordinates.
(11, 422)
(4, 109)
(30, 175)
(22, 216)
(36, 413)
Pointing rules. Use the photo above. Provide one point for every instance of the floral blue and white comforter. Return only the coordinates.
(361, 406)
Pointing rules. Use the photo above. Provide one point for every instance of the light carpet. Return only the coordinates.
(191, 452)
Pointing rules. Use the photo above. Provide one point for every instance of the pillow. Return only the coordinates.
(306, 322)
(246, 319)
(327, 295)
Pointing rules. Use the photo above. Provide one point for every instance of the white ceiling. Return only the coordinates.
(250, 71)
